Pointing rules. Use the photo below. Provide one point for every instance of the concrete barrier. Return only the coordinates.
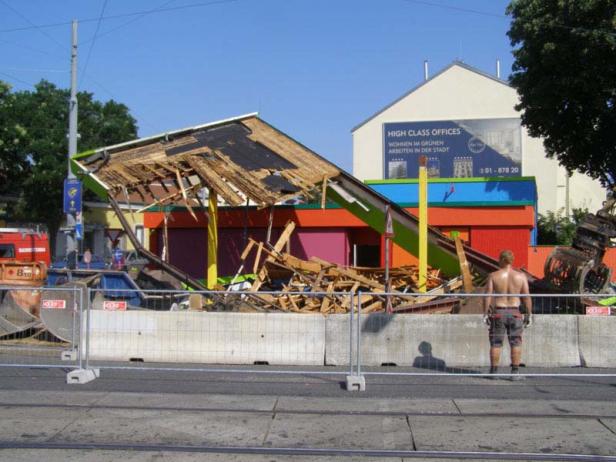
(443, 342)
(552, 341)
(201, 337)
(437, 342)
(597, 341)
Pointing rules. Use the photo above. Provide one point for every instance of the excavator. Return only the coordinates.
(580, 269)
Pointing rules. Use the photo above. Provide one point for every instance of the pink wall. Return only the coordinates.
(329, 244)
(188, 247)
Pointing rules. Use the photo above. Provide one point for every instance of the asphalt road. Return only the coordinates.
(573, 384)
(233, 413)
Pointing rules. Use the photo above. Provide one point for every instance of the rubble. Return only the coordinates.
(319, 286)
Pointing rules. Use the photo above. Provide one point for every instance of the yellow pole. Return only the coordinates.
(423, 224)
(212, 240)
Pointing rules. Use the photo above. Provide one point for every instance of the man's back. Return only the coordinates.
(508, 281)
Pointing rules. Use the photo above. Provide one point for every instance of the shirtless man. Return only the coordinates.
(504, 314)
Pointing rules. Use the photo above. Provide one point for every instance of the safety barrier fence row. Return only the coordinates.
(355, 334)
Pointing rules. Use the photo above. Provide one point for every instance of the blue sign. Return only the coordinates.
(72, 195)
(79, 231)
(453, 148)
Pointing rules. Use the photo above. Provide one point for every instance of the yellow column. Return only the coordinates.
(212, 240)
(423, 224)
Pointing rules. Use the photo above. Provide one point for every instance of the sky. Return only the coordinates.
(312, 68)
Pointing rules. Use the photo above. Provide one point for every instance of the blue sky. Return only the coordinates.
(312, 68)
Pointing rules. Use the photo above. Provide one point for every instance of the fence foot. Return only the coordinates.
(82, 376)
(69, 355)
(355, 383)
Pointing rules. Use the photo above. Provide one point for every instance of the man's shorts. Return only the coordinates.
(508, 321)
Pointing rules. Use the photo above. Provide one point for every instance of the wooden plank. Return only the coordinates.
(180, 183)
(255, 267)
(215, 182)
(326, 300)
(376, 306)
(247, 250)
(466, 272)
(351, 274)
(299, 264)
(282, 240)
(324, 192)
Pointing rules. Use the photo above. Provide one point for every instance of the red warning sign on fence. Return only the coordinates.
(598, 310)
(53, 304)
(389, 224)
(114, 306)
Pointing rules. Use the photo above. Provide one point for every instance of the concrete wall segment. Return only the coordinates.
(597, 336)
(202, 337)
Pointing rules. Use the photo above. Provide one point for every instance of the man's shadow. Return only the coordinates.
(430, 362)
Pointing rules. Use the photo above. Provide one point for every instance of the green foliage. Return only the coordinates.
(565, 74)
(557, 229)
(34, 144)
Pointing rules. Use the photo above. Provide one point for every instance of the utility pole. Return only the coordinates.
(71, 242)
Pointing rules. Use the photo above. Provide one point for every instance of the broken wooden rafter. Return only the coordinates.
(215, 182)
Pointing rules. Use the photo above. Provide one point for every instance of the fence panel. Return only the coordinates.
(200, 329)
(568, 335)
(26, 313)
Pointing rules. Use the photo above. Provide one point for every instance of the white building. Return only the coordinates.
(465, 122)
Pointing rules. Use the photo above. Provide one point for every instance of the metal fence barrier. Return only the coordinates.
(89, 329)
(203, 330)
(420, 339)
(26, 313)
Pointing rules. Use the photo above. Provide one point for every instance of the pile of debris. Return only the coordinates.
(319, 286)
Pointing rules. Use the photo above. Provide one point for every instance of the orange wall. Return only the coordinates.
(452, 217)
(537, 256)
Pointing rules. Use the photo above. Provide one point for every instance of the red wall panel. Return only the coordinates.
(492, 240)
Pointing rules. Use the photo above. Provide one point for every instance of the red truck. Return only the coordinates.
(24, 257)
(24, 245)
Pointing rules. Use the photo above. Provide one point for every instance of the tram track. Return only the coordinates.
(308, 451)
(358, 413)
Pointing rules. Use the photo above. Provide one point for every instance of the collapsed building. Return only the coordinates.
(243, 161)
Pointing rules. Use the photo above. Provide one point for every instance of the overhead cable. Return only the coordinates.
(123, 15)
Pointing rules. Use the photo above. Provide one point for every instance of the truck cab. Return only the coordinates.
(24, 245)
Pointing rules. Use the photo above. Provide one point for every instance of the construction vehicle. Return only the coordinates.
(24, 256)
(580, 268)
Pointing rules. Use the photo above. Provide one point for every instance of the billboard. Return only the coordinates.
(454, 148)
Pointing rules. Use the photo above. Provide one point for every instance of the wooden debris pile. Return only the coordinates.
(319, 286)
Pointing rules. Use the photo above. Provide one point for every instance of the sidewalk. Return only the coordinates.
(173, 425)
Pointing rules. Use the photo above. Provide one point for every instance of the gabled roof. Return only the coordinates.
(425, 82)
(239, 158)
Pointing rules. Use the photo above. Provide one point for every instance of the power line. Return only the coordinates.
(457, 8)
(33, 26)
(106, 90)
(98, 26)
(107, 32)
(124, 15)
(28, 69)
(17, 79)
(503, 16)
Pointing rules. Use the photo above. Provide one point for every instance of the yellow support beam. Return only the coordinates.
(423, 224)
(212, 240)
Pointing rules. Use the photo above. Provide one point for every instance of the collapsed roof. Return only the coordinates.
(244, 158)
(239, 159)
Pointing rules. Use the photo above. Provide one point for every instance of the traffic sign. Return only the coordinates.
(72, 195)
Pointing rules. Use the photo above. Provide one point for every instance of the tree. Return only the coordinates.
(565, 74)
(33, 137)
(13, 165)
(554, 228)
